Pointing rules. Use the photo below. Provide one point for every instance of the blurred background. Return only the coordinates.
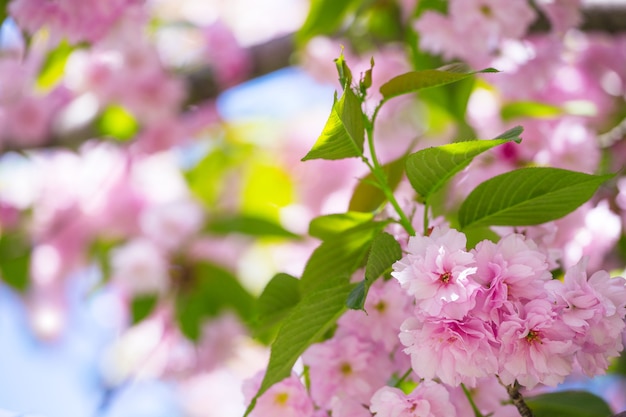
(151, 180)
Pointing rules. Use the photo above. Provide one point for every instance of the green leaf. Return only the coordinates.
(142, 306)
(345, 74)
(344, 133)
(267, 188)
(14, 261)
(330, 225)
(3, 10)
(54, 66)
(118, 123)
(413, 81)
(532, 109)
(310, 320)
(512, 134)
(340, 256)
(356, 298)
(568, 404)
(324, 18)
(528, 196)
(278, 298)
(430, 169)
(248, 225)
(207, 291)
(368, 197)
(384, 252)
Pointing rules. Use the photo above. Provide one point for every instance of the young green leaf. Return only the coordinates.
(367, 197)
(413, 81)
(312, 317)
(278, 298)
(325, 16)
(14, 260)
(384, 252)
(330, 225)
(533, 109)
(142, 306)
(430, 169)
(568, 404)
(528, 196)
(341, 255)
(344, 132)
(208, 290)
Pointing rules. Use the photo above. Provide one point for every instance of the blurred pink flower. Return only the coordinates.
(386, 307)
(140, 267)
(346, 366)
(287, 398)
(428, 399)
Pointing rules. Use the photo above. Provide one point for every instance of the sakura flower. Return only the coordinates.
(169, 225)
(428, 399)
(347, 406)
(386, 308)
(512, 269)
(454, 351)
(287, 398)
(536, 347)
(594, 309)
(489, 396)
(139, 267)
(346, 366)
(438, 271)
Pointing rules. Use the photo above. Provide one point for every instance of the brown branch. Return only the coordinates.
(517, 399)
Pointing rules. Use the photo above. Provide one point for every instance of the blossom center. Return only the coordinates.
(380, 306)
(445, 277)
(346, 369)
(486, 11)
(281, 398)
(532, 337)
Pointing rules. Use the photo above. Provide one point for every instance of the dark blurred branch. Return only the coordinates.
(597, 16)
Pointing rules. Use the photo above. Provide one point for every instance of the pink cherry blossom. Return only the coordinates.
(76, 19)
(346, 366)
(428, 399)
(489, 396)
(139, 267)
(386, 308)
(287, 398)
(438, 271)
(594, 308)
(512, 269)
(536, 347)
(454, 351)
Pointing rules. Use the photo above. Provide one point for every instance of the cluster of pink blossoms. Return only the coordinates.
(497, 310)
(463, 317)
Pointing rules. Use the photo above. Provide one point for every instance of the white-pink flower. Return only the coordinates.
(428, 399)
(438, 271)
